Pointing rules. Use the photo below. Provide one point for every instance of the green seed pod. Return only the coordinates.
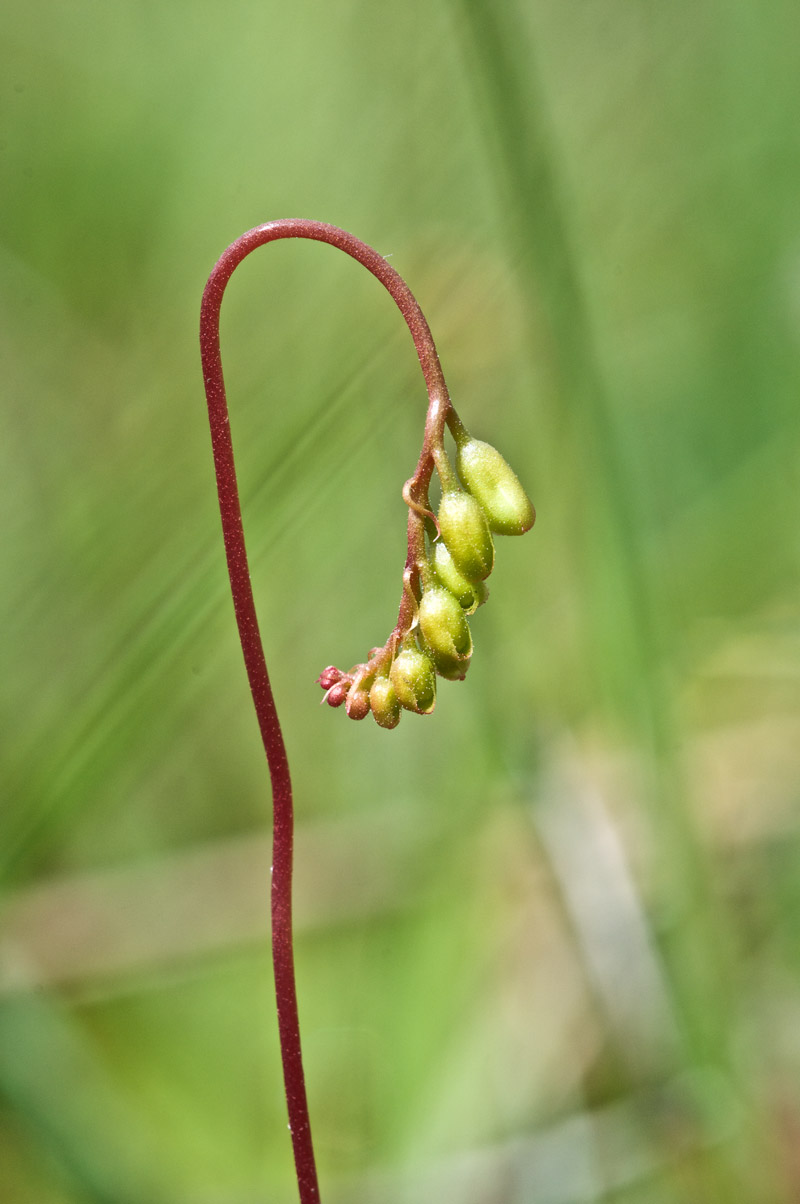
(465, 531)
(496, 486)
(452, 668)
(443, 624)
(414, 680)
(448, 574)
(383, 703)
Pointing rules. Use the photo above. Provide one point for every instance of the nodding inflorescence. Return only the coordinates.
(450, 555)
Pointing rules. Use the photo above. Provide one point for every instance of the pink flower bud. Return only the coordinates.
(337, 694)
(329, 677)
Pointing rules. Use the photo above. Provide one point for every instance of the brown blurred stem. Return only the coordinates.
(249, 635)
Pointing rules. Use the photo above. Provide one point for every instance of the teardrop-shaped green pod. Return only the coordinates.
(414, 680)
(384, 703)
(452, 579)
(465, 531)
(443, 624)
(496, 486)
(452, 668)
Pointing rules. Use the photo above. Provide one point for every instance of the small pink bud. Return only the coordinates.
(337, 694)
(329, 677)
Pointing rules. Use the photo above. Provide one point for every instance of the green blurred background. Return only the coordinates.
(548, 940)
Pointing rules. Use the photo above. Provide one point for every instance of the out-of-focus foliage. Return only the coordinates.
(548, 938)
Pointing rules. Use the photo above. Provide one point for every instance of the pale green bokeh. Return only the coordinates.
(547, 942)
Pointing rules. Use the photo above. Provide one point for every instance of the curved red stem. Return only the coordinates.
(249, 635)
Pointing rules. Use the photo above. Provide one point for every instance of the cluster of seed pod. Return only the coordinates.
(444, 583)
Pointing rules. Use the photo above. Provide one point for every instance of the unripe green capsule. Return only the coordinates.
(414, 680)
(384, 703)
(452, 668)
(448, 574)
(465, 531)
(496, 486)
(443, 624)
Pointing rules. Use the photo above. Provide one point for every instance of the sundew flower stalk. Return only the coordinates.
(450, 554)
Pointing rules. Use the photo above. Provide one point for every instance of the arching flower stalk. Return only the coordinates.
(450, 554)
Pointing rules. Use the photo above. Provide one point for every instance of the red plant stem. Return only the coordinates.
(249, 635)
